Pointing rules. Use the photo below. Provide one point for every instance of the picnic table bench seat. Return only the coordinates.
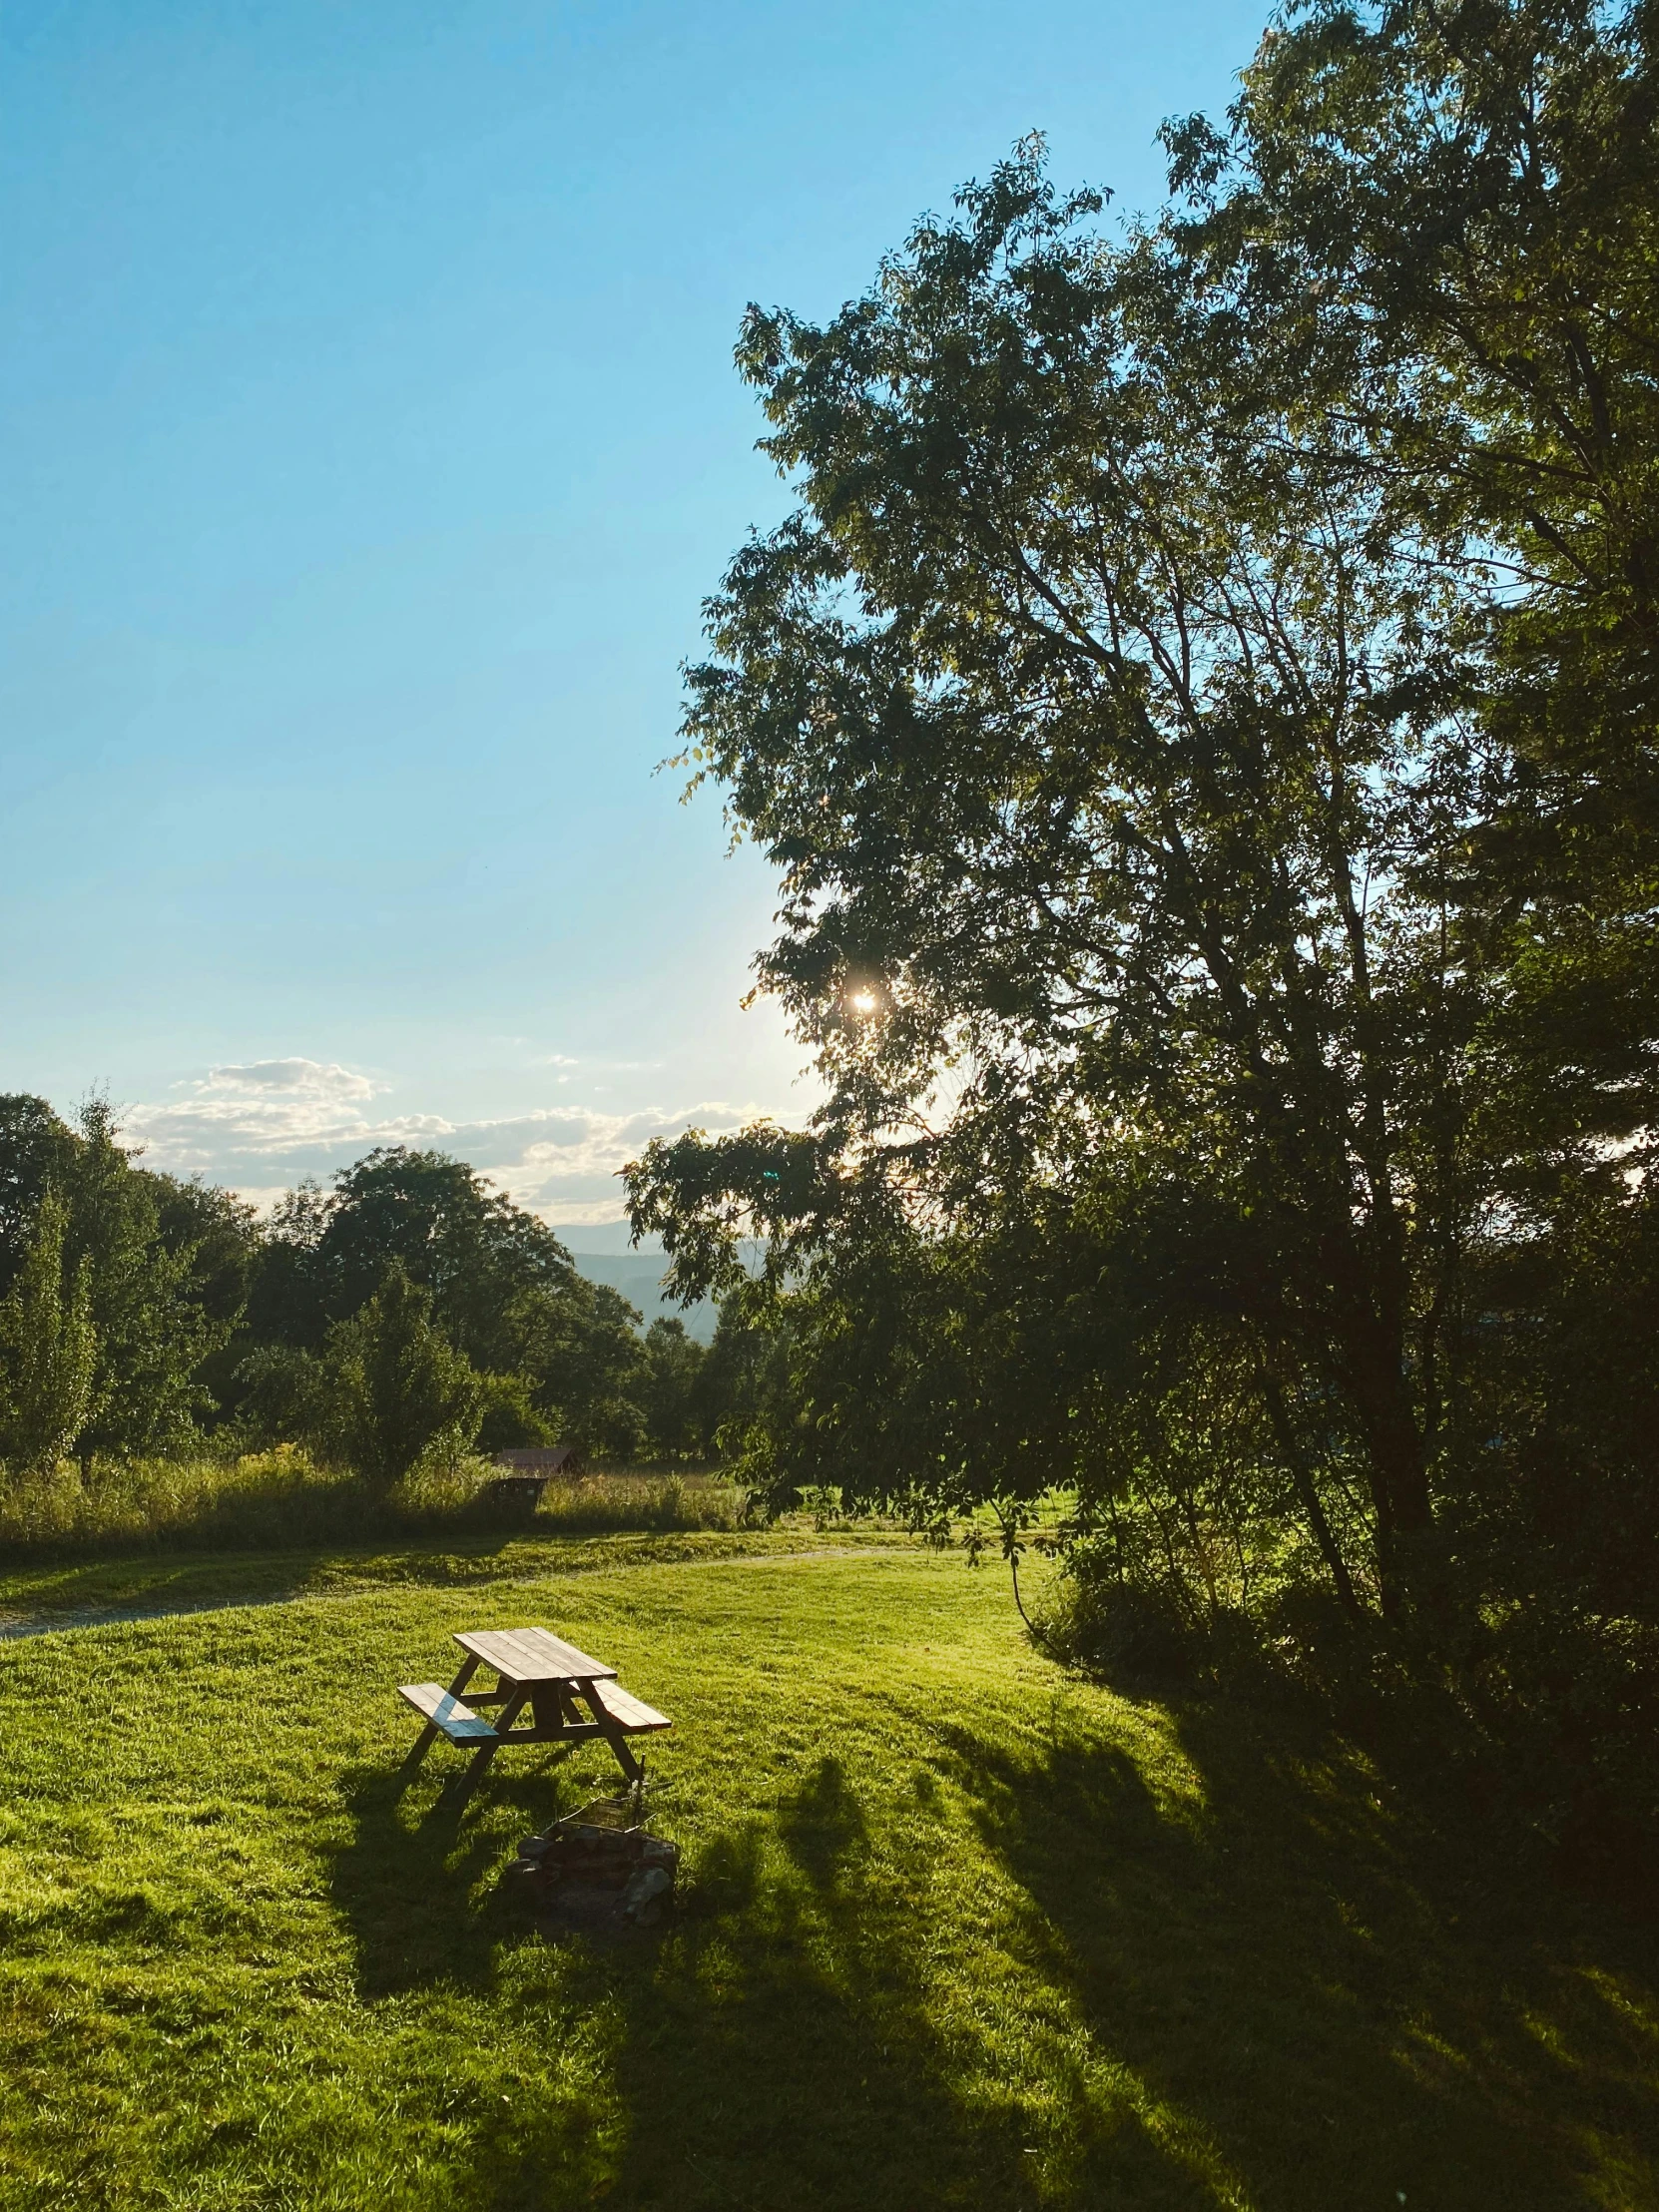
(446, 1712)
(631, 1714)
(463, 1726)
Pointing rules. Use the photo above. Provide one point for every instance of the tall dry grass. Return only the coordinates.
(284, 1500)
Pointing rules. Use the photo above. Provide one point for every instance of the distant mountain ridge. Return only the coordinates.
(637, 1275)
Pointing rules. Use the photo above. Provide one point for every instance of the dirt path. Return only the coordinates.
(15, 1627)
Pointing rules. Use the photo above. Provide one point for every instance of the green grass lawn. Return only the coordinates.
(955, 1928)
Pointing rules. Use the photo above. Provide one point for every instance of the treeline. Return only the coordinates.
(406, 1308)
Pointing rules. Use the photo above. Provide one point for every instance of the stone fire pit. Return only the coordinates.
(599, 1867)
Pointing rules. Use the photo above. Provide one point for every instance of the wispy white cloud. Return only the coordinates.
(563, 1161)
(261, 1126)
(261, 1108)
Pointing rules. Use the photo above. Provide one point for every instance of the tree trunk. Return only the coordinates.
(1366, 1321)
(1301, 1477)
(1398, 1468)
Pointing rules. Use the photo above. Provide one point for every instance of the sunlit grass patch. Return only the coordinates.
(957, 1929)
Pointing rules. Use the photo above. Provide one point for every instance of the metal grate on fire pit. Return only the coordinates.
(600, 1866)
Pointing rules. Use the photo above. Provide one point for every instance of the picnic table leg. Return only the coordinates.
(481, 1758)
(612, 1732)
(547, 1706)
(423, 1742)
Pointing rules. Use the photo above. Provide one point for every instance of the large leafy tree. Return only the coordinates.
(477, 1253)
(1451, 213)
(153, 1324)
(1156, 709)
(668, 1391)
(1104, 731)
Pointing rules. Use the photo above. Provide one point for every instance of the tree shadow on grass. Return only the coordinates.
(787, 2048)
(777, 2045)
(1352, 2008)
(1268, 1985)
(417, 1881)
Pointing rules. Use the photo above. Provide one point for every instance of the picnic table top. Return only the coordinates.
(533, 1655)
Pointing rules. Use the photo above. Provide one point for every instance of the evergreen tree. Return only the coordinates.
(37, 1153)
(395, 1385)
(153, 1331)
(48, 1350)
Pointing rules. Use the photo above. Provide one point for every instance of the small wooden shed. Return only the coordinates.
(526, 1470)
(546, 1460)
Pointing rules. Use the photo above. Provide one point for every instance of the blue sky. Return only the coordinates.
(371, 440)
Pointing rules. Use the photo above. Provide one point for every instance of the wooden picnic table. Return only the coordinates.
(572, 1699)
